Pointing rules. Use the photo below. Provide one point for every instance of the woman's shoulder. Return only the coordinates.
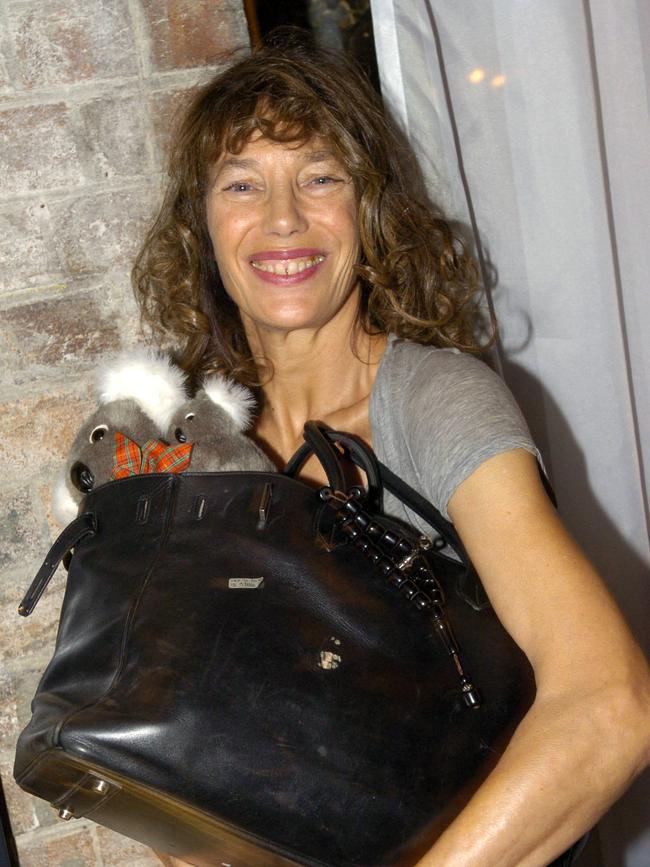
(410, 371)
(437, 414)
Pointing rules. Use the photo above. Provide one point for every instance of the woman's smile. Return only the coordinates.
(286, 266)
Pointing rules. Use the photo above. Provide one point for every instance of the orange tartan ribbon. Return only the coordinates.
(155, 456)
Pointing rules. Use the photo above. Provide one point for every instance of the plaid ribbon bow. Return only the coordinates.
(155, 456)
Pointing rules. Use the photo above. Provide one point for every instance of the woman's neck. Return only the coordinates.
(326, 374)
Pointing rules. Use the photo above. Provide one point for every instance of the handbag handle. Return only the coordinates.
(319, 440)
(82, 526)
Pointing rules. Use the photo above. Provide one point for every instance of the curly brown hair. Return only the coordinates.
(417, 279)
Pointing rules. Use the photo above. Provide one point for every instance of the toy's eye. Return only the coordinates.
(98, 433)
(189, 416)
(82, 478)
(180, 435)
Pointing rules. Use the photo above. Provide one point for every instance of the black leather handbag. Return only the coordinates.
(252, 672)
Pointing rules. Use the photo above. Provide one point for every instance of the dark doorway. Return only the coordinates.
(342, 24)
(8, 853)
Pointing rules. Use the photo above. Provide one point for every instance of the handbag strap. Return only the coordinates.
(423, 509)
(84, 525)
(319, 440)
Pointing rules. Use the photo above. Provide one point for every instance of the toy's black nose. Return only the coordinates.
(180, 435)
(82, 478)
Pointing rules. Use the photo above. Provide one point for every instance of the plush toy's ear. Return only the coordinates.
(64, 507)
(150, 379)
(234, 398)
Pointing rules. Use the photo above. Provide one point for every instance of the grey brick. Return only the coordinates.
(22, 527)
(49, 340)
(38, 149)
(95, 233)
(116, 130)
(64, 41)
(26, 251)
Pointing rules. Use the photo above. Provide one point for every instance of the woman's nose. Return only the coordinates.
(283, 213)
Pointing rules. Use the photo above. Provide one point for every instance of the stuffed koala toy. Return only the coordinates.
(213, 422)
(143, 398)
(137, 396)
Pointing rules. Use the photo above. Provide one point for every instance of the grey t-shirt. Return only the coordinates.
(435, 416)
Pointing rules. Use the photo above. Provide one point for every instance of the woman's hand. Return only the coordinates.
(587, 735)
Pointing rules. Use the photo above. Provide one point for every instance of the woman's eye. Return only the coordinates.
(238, 187)
(324, 183)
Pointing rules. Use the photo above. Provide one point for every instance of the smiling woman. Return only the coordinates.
(294, 253)
(320, 107)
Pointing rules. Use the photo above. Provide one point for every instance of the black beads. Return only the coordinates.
(471, 695)
(403, 564)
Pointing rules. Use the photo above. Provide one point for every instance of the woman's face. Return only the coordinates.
(283, 223)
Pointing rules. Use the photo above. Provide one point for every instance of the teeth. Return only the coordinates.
(287, 267)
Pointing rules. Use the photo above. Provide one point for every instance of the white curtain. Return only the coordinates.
(532, 123)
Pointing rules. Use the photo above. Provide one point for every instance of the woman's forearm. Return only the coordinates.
(569, 759)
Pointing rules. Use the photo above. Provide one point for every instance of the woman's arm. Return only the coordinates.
(587, 734)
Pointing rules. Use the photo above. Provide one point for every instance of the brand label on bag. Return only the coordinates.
(245, 583)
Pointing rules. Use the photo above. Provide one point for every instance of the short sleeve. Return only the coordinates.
(436, 415)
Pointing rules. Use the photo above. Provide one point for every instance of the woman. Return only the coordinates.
(292, 253)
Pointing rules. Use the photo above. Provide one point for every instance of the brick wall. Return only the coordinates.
(87, 91)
